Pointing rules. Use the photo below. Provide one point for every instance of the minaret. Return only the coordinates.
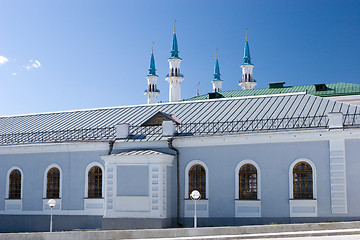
(217, 82)
(152, 92)
(247, 81)
(174, 77)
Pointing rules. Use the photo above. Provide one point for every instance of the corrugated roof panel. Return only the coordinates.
(197, 114)
(244, 114)
(239, 112)
(230, 109)
(277, 109)
(259, 107)
(234, 109)
(217, 112)
(284, 107)
(141, 152)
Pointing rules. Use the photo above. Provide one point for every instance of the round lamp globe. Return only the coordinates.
(51, 203)
(195, 195)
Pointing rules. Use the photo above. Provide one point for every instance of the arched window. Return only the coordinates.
(197, 180)
(303, 181)
(15, 184)
(248, 182)
(53, 183)
(95, 182)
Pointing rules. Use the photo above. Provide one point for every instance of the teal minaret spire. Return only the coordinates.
(152, 70)
(174, 78)
(152, 92)
(247, 81)
(217, 82)
(247, 58)
(217, 69)
(174, 49)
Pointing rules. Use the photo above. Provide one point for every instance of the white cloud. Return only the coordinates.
(14, 73)
(32, 64)
(3, 60)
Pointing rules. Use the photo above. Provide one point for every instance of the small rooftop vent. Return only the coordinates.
(276, 85)
(320, 87)
(215, 95)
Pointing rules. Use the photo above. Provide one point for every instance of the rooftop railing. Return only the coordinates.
(351, 120)
(59, 136)
(253, 125)
(150, 133)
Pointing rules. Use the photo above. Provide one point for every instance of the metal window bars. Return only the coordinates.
(153, 133)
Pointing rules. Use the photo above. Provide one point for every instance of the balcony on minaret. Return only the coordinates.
(175, 75)
(247, 78)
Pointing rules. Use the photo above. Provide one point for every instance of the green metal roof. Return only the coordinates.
(321, 90)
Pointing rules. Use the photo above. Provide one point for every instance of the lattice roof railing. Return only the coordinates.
(152, 133)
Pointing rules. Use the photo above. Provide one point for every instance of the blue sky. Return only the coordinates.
(65, 55)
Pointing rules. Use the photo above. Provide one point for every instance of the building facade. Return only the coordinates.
(277, 158)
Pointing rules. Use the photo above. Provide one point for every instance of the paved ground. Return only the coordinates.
(306, 231)
(341, 234)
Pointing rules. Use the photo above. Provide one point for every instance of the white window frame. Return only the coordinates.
(302, 207)
(8, 182)
(291, 184)
(45, 179)
(258, 175)
(187, 169)
(89, 166)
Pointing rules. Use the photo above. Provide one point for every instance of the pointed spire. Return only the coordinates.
(217, 68)
(152, 70)
(247, 58)
(174, 49)
(197, 89)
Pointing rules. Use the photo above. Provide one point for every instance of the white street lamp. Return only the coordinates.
(51, 204)
(195, 196)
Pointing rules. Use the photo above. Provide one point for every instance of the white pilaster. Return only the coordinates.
(338, 176)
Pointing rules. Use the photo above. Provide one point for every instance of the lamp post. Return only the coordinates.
(51, 204)
(195, 196)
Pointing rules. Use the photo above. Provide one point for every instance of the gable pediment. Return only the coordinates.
(159, 118)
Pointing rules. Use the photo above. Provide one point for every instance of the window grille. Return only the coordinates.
(248, 182)
(95, 182)
(197, 180)
(303, 181)
(15, 184)
(53, 183)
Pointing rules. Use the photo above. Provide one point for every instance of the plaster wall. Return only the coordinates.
(72, 164)
(273, 159)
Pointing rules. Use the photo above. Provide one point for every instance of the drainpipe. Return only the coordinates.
(170, 141)
(111, 146)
